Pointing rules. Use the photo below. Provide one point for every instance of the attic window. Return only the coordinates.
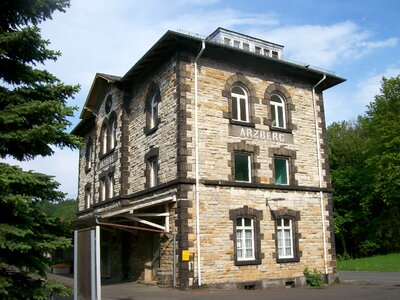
(108, 104)
(227, 41)
(258, 50)
(274, 54)
(246, 46)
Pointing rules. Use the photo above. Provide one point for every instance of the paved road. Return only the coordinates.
(354, 286)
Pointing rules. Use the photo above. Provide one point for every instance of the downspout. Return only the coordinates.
(321, 196)
(196, 146)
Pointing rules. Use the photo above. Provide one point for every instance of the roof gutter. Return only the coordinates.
(196, 146)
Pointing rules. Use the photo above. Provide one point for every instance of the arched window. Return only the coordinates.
(112, 129)
(153, 98)
(278, 111)
(88, 154)
(153, 111)
(240, 104)
(110, 185)
(104, 138)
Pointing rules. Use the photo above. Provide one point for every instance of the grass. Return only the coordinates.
(379, 263)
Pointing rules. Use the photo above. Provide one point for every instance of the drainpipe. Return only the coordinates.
(321, 196)
(196, 146)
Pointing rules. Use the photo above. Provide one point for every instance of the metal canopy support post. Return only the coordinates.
(75, 264)
(98, 270)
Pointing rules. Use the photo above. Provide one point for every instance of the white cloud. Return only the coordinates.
(96, 36)
(369, 87)
(347, 101)
(325, 46)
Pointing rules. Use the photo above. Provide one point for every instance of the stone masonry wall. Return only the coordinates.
(164, 138)
(219, 195)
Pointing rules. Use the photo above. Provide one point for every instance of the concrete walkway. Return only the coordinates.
(354, 285)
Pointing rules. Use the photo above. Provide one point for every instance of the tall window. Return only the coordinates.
(245, 239)
(104, 139)
(153, 171)
(103, 189)
(88, 154)
(278, 113)
(112, 132)
(88, 197)
(110, 185)
(284, 235)
(242, 167)
(281, 170)
(240, 104)
(153, 111)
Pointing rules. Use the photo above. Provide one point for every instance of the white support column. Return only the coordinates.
(93, 265)
(75, 264)
(98, 270)
(166, 217)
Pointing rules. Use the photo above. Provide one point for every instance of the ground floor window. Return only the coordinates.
(286, 235)
(284, 238)
(246, 235)
(245, 238)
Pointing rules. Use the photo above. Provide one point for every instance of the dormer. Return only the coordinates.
(246, 42)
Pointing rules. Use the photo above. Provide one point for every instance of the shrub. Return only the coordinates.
(313, 278)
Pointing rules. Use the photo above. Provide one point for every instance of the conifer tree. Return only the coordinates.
(33, 119)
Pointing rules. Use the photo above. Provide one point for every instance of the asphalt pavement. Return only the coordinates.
(353, 285)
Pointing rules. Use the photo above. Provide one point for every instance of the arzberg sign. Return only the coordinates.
(252, 133)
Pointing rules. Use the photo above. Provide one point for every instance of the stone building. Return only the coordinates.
(213, 149)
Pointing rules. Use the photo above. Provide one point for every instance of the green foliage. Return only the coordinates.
(379, 263)
(33, 118)
(64, 210)
(365, 163)
(313, 278)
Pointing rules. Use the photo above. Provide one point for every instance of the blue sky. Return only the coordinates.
(356, 39)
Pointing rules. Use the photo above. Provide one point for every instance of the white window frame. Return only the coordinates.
(89, 153)
(275, 109)
(248, 165)
(88, 197)
(153, 171)
(246, 46)
(112, 133)
(241, 240)
(240, 97)
(286, 159)
(103, 189)
(227, 41)
(104, 139)
(236, 43)
(281, 240)
(110, 185)
(153, 111)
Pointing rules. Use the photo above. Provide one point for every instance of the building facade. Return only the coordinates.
(206, 164)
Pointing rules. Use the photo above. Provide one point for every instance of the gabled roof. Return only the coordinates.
(100, 81)
(171, 41)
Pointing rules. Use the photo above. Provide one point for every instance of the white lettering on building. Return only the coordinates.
(252, 133)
